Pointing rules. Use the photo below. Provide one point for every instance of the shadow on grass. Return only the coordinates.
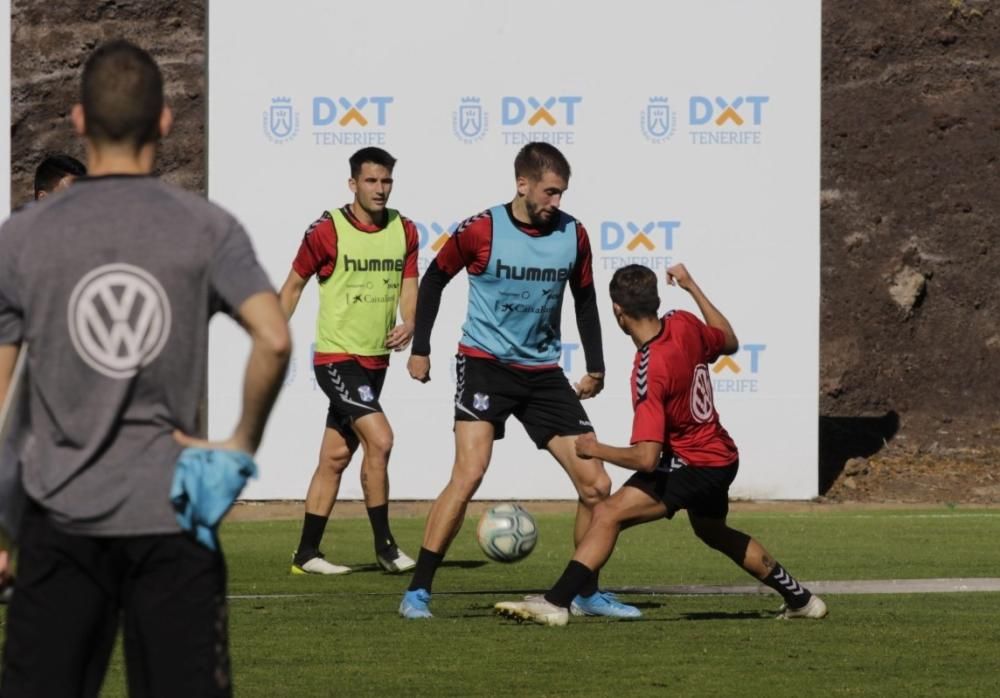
(460, 564)
(464, 564)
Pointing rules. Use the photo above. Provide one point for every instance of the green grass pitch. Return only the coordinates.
(311, 636)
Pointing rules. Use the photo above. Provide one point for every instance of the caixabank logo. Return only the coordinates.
(433, 236)
(527, 119)
(353, 121)
(646, 242)
(732, 120)
(280, 121)
(740, 372)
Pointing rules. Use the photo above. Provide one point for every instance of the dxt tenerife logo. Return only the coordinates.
(350, 121)
(649, 243)
(119, 319)
(741, 372)
(281, 121)
(548, 119)
(658, 121)
(433, 236)
(470, 122)
(726, 121)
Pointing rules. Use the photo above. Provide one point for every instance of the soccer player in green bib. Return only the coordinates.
(364, 256)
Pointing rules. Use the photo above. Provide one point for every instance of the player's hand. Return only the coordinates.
(233, 443)
(589, 386)
(678, 275)
(419, 368)
(586, 445)
(399, 337)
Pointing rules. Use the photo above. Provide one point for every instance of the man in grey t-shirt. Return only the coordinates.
(111, 285)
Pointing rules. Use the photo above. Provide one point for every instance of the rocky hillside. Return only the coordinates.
(49, 43)
(910, 214)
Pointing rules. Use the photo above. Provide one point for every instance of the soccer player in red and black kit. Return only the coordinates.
(364, 256)
(520, 257)
(683, 457)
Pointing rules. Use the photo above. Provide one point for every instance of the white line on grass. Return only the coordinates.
(861, 586)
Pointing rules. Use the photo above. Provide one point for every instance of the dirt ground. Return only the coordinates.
(920, 479)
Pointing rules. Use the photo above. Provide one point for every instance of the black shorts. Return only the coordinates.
(543, 401)
(353, 391)
(72, 593)
(703, 491)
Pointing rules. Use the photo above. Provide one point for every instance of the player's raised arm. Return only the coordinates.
(678, 275)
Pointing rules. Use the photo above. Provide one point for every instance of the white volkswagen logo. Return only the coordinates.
(119, 319)
(702, 405)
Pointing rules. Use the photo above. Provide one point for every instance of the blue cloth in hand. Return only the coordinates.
(206, 483)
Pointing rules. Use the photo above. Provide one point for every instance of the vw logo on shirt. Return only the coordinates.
(119, 319)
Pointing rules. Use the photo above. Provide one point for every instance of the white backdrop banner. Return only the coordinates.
(693, 133)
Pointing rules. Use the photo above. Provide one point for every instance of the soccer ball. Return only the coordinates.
(507, 533)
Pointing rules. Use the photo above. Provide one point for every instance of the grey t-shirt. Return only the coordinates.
(112, 284)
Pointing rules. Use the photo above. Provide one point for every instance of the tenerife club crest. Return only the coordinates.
(281, 121)
(480, 402)
(658, 121)
(470, 123)
(366, 393)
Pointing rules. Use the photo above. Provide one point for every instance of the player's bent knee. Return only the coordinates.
(605, 516)
(712, 535)
(381, 445)
(596, 491)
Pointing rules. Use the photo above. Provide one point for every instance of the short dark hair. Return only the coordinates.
(633, 287)
(373, 155)
(122, 95)
(53, 168)
(535, 159)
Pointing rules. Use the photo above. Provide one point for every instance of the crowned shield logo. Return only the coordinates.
(658, 121)
(366, 393)
(470, 122)
(281, 121)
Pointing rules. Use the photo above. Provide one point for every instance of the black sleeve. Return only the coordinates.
(428, 302)
(588, 323)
